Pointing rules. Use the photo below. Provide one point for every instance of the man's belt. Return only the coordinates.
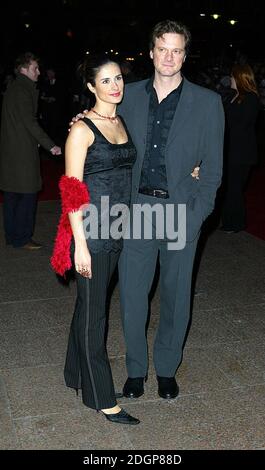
(154, 192)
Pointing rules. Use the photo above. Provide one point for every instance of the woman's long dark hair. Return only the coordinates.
(245, 80)
(89, 69)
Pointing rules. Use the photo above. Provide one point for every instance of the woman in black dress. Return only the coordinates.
(241, 148)
(99, 158)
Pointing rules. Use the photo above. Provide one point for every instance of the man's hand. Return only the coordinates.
(196, 172)
(56, 150)
(77, 118)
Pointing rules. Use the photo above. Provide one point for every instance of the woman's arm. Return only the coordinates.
(77, 143)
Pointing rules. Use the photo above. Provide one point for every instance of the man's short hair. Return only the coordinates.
(24, 60)
(169, 26)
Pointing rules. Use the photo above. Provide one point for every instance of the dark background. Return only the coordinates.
(63, 30)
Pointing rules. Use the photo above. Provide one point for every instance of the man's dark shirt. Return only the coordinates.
(160, 118)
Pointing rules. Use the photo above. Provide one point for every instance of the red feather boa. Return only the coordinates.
(74, 194)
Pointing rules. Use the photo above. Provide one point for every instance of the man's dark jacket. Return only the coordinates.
(195, 138)
(20, 136)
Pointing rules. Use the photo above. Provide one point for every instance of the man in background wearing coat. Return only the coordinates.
(20, 178)
(175, 126)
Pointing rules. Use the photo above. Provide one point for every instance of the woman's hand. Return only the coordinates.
(195, 173)
(83, 261)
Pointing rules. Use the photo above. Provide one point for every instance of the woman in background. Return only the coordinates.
(241, 147)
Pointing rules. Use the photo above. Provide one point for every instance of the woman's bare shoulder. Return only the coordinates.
(80, 130)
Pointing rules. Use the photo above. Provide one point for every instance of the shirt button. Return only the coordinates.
(155, 146)
(152, 169)
(158, 122)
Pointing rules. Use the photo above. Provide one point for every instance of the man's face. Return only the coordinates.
(32, 71)
(168, 54)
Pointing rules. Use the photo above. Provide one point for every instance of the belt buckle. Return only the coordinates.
(160, 193)
(155, 192)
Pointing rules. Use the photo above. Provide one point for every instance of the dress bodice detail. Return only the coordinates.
(107, 172)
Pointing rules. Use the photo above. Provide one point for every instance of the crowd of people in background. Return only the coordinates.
(62, 96)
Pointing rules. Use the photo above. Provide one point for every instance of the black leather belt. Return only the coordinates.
(154, 192)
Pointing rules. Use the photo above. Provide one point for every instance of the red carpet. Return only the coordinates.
(255, 195)
(51, 171)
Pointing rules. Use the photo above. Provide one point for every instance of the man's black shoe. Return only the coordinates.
(133, 388)
(32, 245)
(167, 387)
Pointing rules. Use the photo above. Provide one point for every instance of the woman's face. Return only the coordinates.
(108, 84)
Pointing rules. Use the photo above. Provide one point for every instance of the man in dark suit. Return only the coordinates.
(20, 178)
(175, 125)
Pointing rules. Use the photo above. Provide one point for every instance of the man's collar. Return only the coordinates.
(23, 78)
(150, 85)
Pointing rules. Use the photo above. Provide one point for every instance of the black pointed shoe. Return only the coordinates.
(122, 417)
(167, 387)
(133, 388)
